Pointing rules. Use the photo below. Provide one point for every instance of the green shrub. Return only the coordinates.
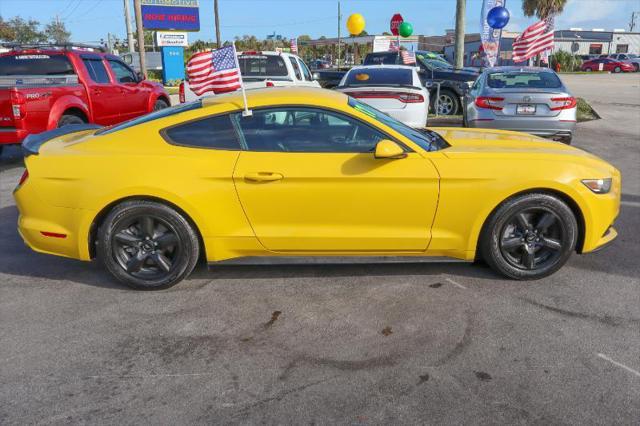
(568, 62)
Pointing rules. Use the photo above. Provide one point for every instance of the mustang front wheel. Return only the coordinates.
(147, 245)
(530, 236)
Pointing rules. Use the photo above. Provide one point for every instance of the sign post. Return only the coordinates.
(394, 26)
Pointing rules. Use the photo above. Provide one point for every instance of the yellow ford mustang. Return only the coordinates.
(309, 172)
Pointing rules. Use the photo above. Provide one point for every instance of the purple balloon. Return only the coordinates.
(498, 17)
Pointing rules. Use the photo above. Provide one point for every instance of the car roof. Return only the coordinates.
(512, 68)
(278, 96)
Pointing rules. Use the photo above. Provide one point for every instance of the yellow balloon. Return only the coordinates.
(355, 24)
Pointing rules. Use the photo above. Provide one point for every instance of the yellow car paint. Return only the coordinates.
(279, 203)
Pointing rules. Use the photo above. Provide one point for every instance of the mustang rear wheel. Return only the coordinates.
(530, 236)
(147, 245)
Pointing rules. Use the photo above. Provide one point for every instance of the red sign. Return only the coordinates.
(396, 20)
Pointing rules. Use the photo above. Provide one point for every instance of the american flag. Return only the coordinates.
(294, 46)
(408, 58)
(215, 71)
(538, 38)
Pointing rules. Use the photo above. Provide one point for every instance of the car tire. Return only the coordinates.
(566, 140)
(160, 104)
(587, 69)
(147, 245)
(529, 236)
(448, 103)
(617, 69)
(70, 119)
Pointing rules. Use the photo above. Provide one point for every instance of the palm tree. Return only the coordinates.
(542, 8)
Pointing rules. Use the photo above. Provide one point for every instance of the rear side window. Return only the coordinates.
(540, 80)
(296, 68)
(97, 71)
(380, 77)
(305, 70)
(35, 64)
(211, 132)
(262, 66)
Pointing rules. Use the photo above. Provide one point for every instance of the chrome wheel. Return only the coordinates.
(446, 104)
(533, 239)
(145, 247)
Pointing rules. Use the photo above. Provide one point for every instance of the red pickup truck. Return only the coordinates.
(42, 88)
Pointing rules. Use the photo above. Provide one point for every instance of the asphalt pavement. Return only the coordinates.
(337, 343)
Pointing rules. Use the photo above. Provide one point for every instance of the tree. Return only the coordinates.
(542, 8)
(18, 30)
(56, 32)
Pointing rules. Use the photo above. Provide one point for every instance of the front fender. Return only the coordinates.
(63, 104)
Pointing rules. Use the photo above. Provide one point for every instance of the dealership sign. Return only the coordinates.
(170, 15)
(164, 39)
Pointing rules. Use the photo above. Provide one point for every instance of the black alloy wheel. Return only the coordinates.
(147, 245)
(529, 236)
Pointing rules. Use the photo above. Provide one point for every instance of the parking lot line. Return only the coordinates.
(455, 283)
(630, 203)
(629, 369)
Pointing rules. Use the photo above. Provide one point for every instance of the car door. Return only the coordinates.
(105, 98)
(308, 181)
(135, 96)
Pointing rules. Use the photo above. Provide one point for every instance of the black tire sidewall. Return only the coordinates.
(490, 239)
(69, 119)
(189, 244)
(160, 104)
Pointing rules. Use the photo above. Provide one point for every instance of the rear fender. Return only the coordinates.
(63, 104)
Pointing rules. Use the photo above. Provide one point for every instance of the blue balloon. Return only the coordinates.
(498, 17)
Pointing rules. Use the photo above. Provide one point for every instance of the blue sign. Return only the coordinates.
(172, 63)
(170, 18)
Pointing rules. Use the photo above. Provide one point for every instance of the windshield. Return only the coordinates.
(166, 112)
(433, 63)
(380, 77)
(514, 80)
(426, 139)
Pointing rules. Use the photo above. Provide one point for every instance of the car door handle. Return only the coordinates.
(97, 91)
(263, 176)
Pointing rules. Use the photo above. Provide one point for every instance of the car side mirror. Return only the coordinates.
(140, 76)
(389, 149)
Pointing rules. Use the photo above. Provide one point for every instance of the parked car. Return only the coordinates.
(628, 57)
(607, 64)
(393, 89)
(45, 86)
(525, 99)
(311, 172)
(263, 69)
(319, 64)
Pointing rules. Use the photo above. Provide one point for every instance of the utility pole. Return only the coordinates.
(339, 25)
(137, 8)
(215, 12)
(460, 11)
(127, 20)
(632, 24)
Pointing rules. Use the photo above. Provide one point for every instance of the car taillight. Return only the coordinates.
(489, 102)
(17, 103)
(564, 103)
(404, 97)
(23, 178)
(181, 93)
(269, 84)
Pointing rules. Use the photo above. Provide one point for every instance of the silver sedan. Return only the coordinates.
(524, 99)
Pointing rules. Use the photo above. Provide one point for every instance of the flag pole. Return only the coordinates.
(247, 112)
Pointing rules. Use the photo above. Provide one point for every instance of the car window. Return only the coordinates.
(509, 80)
(305, 70)
(262, 66)
(296, 68)
(123, 73)
(97, 71)
(380, 77)
(381, 58)
(299, 129)
(211, 132)
(166, 112)
(35, 64)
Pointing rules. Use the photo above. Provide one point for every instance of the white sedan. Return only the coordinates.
(393, 89)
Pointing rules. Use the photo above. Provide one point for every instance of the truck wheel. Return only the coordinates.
(448, 103)
(68, 119)
(147, 245)
(160, 104)
(529, 236)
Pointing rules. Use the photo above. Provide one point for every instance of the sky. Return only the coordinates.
(90, 20)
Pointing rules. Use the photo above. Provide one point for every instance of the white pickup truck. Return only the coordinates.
(264, 69)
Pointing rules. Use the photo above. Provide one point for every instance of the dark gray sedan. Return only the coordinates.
(525, 99)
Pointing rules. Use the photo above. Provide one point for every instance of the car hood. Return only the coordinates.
(478, 143)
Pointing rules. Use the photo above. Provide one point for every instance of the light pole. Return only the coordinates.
(138, 12)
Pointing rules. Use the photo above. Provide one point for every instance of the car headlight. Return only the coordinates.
(599, 186)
